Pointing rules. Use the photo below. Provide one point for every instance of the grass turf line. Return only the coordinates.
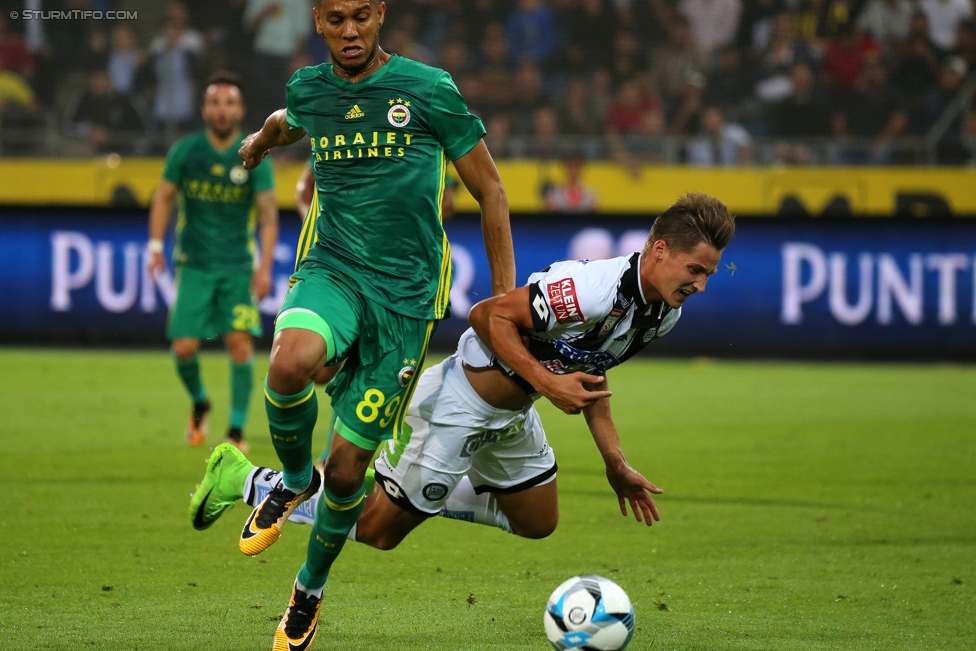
(806, 507)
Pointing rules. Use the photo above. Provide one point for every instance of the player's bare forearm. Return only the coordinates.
(159, 211)
(480, 176)
(268, 219)
(629, 485)
(276, 132)
(602, 429)
(500, 322)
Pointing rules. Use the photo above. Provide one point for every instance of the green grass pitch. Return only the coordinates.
(807, 506)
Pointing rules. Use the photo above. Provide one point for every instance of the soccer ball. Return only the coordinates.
(590, 613)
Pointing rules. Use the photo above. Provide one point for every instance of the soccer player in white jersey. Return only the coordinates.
(474, 448)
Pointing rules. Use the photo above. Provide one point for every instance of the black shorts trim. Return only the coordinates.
(399, 496)
(528, 483)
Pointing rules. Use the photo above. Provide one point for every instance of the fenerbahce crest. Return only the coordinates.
(405, 376)
(399, 115)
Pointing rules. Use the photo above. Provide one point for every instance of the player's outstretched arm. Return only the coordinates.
(276, 132)
(629, 485)
(159, 212)
(268, 218)
(480, 176)
(499, 322)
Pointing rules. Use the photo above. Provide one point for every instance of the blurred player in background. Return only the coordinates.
(217, 286)
(375, 279)
(476, 449)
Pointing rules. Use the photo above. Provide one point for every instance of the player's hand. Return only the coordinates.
(570, 392)
(630, 486)
(252, 152)
(261, 283)
(156, 265)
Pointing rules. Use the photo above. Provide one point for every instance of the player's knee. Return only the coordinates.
(342, 481)
(381, 540)
(538, 527)
(184, 348)
(288, 374)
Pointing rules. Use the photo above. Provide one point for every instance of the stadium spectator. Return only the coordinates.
(590, 25)
(784, 50)
(938, 98)
(104, 118)
(477, 15)
(401, 38)
(966, 43)
(875, 112)
(280, 29)
(628, 59)
(675, 60)
(821, 20)
(456, 59)
(531, 32)
(626, 112)
(222, 25)
(572, 196)
(581, 112)
(528, 96)
(546, 143)
(124, 59)
(14, 53)
(719, 143)
(14, 90)
(175, 64)
(685, 119)
(887, 21)
(731, 82)
(805, 111)
(495, 81)
(945, 17)
(915, 67)
(713, 23)
(803, 114)
(845, 55)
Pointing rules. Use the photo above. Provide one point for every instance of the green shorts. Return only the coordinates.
(212, 303)
(383, 352)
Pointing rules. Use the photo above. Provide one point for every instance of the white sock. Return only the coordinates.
(465, 504)
(312, 593)
(352, 533)
(260, 482)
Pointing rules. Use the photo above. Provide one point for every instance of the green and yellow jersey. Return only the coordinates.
(381, 148)
(307, 236)
(217, 214)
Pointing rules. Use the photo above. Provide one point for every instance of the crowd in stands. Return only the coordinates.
(702, 82)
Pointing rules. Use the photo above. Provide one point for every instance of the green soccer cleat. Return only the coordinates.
(222, 485)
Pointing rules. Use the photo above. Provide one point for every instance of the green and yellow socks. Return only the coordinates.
(241, 384)
(291, 420)
(189, 372)
(334, 517)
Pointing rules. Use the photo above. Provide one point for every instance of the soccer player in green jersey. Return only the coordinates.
(217, 286)
(375, 281)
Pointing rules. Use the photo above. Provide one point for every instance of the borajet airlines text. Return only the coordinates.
(883, 286)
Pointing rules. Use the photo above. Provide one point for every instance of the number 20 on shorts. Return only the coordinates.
(368, 408)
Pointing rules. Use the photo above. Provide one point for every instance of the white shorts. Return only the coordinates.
(449, 432)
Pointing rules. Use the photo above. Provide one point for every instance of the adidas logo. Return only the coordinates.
(355, 112)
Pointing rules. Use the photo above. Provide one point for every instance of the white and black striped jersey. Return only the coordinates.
(587, 316)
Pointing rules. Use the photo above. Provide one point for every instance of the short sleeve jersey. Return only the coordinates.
(380, 148)
(587, 316)
(217, 215)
